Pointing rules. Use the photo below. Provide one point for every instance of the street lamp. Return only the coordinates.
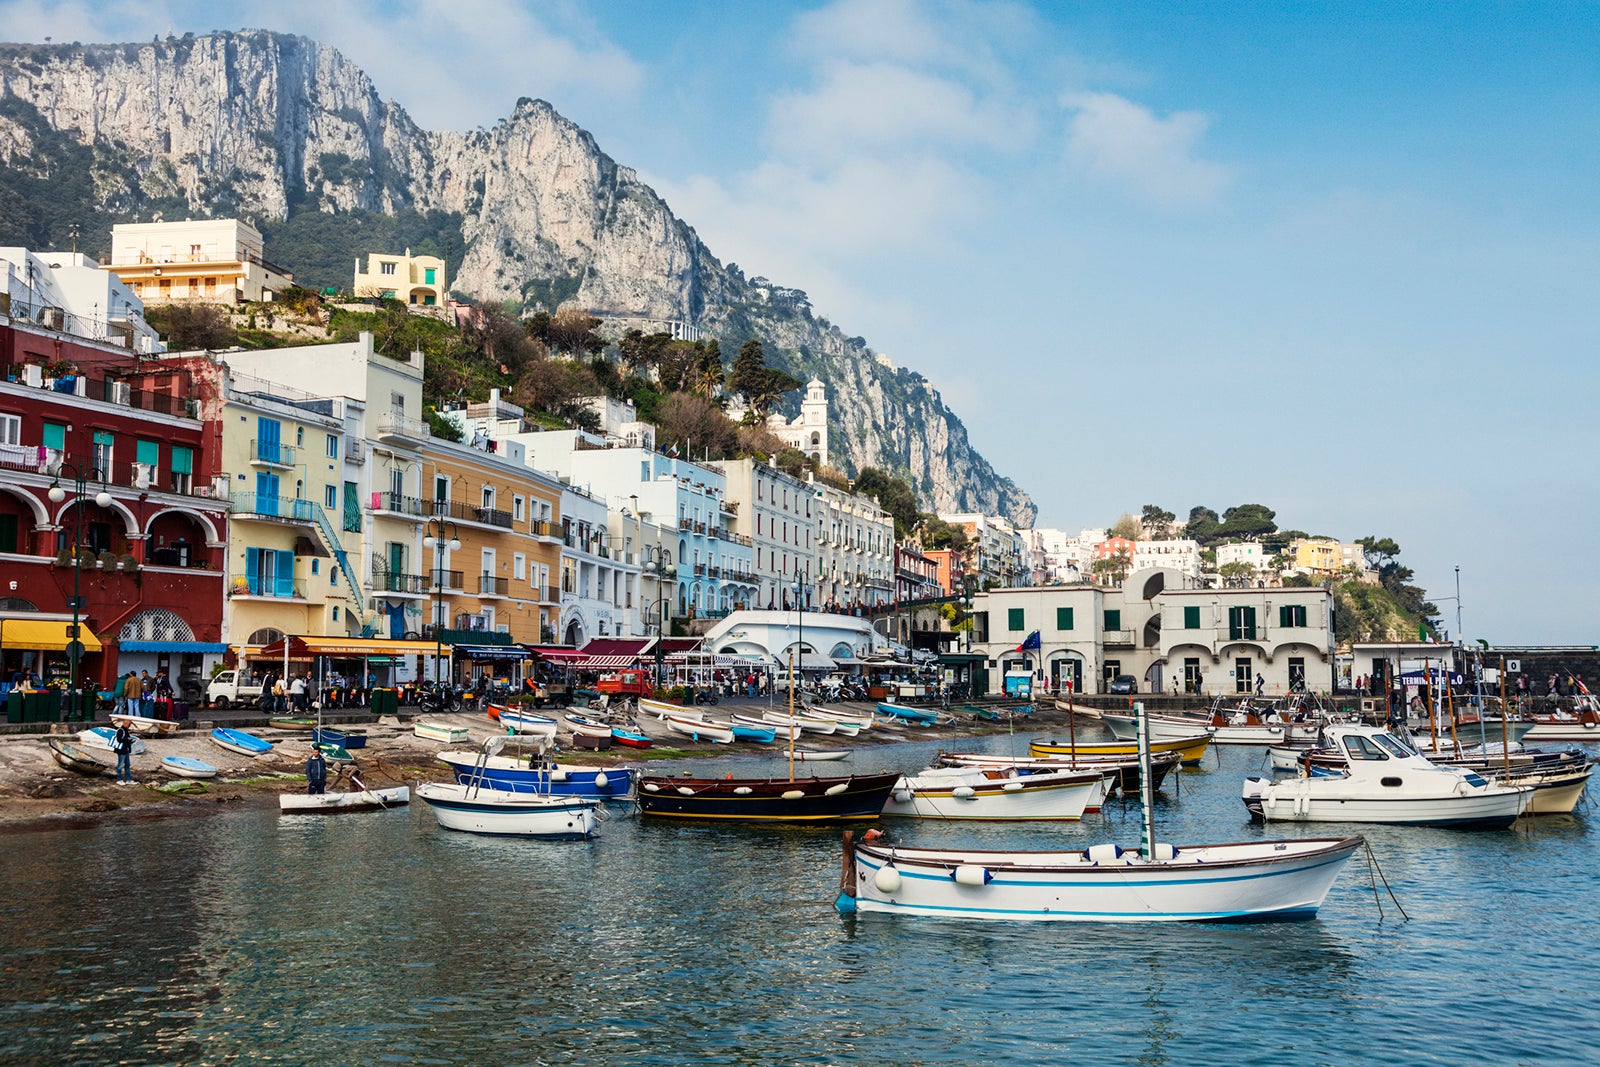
(102, 498)
(657, 561)
(443, 534)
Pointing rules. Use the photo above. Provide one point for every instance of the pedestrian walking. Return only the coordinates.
(269, 683)
(297, 693)
(122, 745)
(130, 694)
(1261, 684)
(147, 694)
(316, 773)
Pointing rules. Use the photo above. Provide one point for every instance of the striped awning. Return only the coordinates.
(604, 663)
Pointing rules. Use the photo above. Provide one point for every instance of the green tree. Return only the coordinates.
(1203, 525)
(1113, 569)
(1127, 528)
(894, 495)
(761, 386)
(1248, 520)
(1158, 522)
(1236, 575)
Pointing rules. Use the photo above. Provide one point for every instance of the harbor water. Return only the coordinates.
(249, 938)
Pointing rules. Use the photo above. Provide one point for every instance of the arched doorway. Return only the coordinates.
(1065, 669)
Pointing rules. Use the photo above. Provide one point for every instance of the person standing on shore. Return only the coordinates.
(297, 693)
(147, 694)
(316, 772)
(130, 694)
(122, 744)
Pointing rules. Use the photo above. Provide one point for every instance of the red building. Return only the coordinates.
(146, 564)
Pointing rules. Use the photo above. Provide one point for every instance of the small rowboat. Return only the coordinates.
(439, 731)
(481, 810)
(292, 724)
(341, 737)
(338, 803)
(559, 779)
(75, 759)
(184, 767)
(825, 755)
(915, 716)
(811, 724)
(1190, 749)
(780, 731)
(627, 735)
(239, 741)
(761, 735)
(335, 753)
(767, 799)
(700, 729)
(582, 724)
(526, 722)
(139, 724)
(104, 737)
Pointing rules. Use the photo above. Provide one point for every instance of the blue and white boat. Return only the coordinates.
(560, 779)
(246, 744)
(915, 716)
(761, 735)
(340, 738)
(480, 809)
(104, 737)
(527, 723)
(184, 767)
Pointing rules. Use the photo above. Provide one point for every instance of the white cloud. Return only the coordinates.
(1118, 141)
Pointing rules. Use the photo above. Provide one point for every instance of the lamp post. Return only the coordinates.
(657, 561)
(57, 495)
(442, 534)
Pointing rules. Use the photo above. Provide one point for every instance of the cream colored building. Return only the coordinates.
(855, 549)
(213, 261)
(415, 280)
(778, 513)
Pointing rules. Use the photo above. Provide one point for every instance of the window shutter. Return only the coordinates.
(1014, 618)
(1285, 615)
(182, 460)
(1191, 618)
(54, 436)
(148, 452)
(1063, 618)
(285, 575)
(1114, 620)
(252, 569)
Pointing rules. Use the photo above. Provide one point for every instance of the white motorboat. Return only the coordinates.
(104, 737)
(529, 724)
(972, 793)
(1385, 781)
(808, 723)
(480, 810)
(343, 802)
(697, 727)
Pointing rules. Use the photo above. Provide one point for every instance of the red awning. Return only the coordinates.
(605, 663)
(556, 654)
(617, 646)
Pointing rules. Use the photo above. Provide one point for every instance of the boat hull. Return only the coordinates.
(1122, 772)
(342, 738)
(341, 803)
(148, 727)
(1250, 882)
(292, 724)
(527, 724)
(104, 737)
(1306, 800)
(184, 767)
(491, 811)
(500, 772)
(767, 799)
(239, 741)
(438, 731)
(75, 759)
(915, 716)
(697, 729)
(1190, 750)
(972, 796)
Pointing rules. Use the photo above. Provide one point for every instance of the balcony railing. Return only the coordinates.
(489, 585)
(446, 580)
(399, 426)
(286, 509)
(397, 502)
(541, 528)
(272, 453)
(389, 582)
(455, 509)
(276, 588)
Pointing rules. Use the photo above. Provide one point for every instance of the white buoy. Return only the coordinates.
(835, 790)
(743, 791)
(601, 781)
(1012, 787)
(686, 791)
(887, 880)
(651, 787)
(963, 792)
(902, 796)
(971, 874)
(794, 794)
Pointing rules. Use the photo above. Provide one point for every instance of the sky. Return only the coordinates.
(1338, 259)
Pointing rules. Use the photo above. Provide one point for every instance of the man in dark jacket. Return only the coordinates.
(122, 744)
(316, 772)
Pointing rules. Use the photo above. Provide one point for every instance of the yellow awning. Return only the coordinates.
(352, 646)
(45, 635)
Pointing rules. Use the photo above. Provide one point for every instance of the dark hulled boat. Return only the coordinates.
(858, 796)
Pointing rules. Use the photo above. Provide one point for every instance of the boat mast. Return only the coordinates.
(1147, 835)
(1505, 719)
(799, 640)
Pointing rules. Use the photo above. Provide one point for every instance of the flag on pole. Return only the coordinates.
(1030, 643)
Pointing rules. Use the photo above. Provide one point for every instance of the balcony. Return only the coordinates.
(455, 509)
(728, 507)
(272, 454)
(1117, 638)
(355, 450)
(547, 594)
(268, 588)
(398, 429)
(393, 582)
(685, 524)
(489, 585)
(289, 510)
(396, 504)
(449, 581)
(544, 530)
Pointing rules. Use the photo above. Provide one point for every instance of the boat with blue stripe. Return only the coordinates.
(240, 741)
(915, 716)
(557, 779)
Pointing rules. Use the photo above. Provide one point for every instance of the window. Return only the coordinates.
(10, 430)
(148, 455)
(1063, 618)
(428, 275)
(300, 435)
(488, 498)
(54, 435)
(316, 566)
(1292, 615)
(182, 469)
(397, 481)
(269, 571)
(397, 403)
(8, 533)
(1241, 676)
(102, 453)
(518, 506)
(1241, 624)
(386, 268)
(519, 567)
(441, 487)
(1191, 618)
(1014, 619)
(1113, 619)
(331, 448)
(330, 497)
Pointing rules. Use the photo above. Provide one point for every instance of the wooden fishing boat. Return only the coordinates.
(633, 738)
(698, 728)
(977, 794)
(822, 755)
(582, 724)
(1190, 749)
(344, 802)
(760, 735)
(292, 723)
(245, 744)
(766, 799)
(449, 733)
(1249, 882)
(140, 724)
(536, 775)
(801, 721)
(1082, 711)
(185, 767)
(75, 759)
(104, 737)
(528, 723)
(780, 731)
(478, 809)
(914, 716)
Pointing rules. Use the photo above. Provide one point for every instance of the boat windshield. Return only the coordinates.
(1393, 744)
(1358, 747)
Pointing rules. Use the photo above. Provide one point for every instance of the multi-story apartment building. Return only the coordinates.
(214, 261)
(855, 549)
(1246, 562)
(1320, 557)
(67, 292)
(995, 551)
(599, 573)
(414, 280)
(779, 514)
(108, 499)
(1179, 554)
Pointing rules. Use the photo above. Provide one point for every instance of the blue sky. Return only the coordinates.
(1339, 259)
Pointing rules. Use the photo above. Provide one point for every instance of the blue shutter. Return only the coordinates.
(285, 575)
(266, 493)
(268, 436)
(252, 569)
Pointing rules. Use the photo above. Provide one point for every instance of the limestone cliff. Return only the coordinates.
(265, 125)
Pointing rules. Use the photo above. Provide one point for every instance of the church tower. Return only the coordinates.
(813, 424)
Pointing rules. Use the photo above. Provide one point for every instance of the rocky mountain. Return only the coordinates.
(285, 132)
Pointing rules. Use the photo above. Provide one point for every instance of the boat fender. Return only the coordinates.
(651, 787)
(887, 880)
(1163, 850)
(601, 781)
(971, 874)
(686, 791)
(558, 776)
(902, 796)
(794, 794)
(743, 791)
(1011, 787)
(835, 790)
(963, 792)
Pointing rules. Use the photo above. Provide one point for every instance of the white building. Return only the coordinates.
(599, 573)
(809, 432)
(996, 552)
(820, 641)
(778, 514)
(217, 261)
(855, 548)
(1179, 554)
(67, 291)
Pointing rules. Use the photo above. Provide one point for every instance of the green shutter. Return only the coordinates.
(1014, 618)
(55, 436)
(1285, 614)
(1063, 618)
(103, 437)
(1114, 620)
(148, 452)
(1191, 618)
(182, 460)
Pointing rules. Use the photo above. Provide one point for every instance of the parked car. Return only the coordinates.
(1124, 683)
(230, 688)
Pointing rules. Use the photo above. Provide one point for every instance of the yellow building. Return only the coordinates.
(506, 519)
(215, 261)
(409, 279)
(1317, 556)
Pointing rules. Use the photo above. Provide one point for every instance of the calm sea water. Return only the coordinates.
(381, 939)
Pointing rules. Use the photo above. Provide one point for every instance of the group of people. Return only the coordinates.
(291, 692)
(137, 693)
